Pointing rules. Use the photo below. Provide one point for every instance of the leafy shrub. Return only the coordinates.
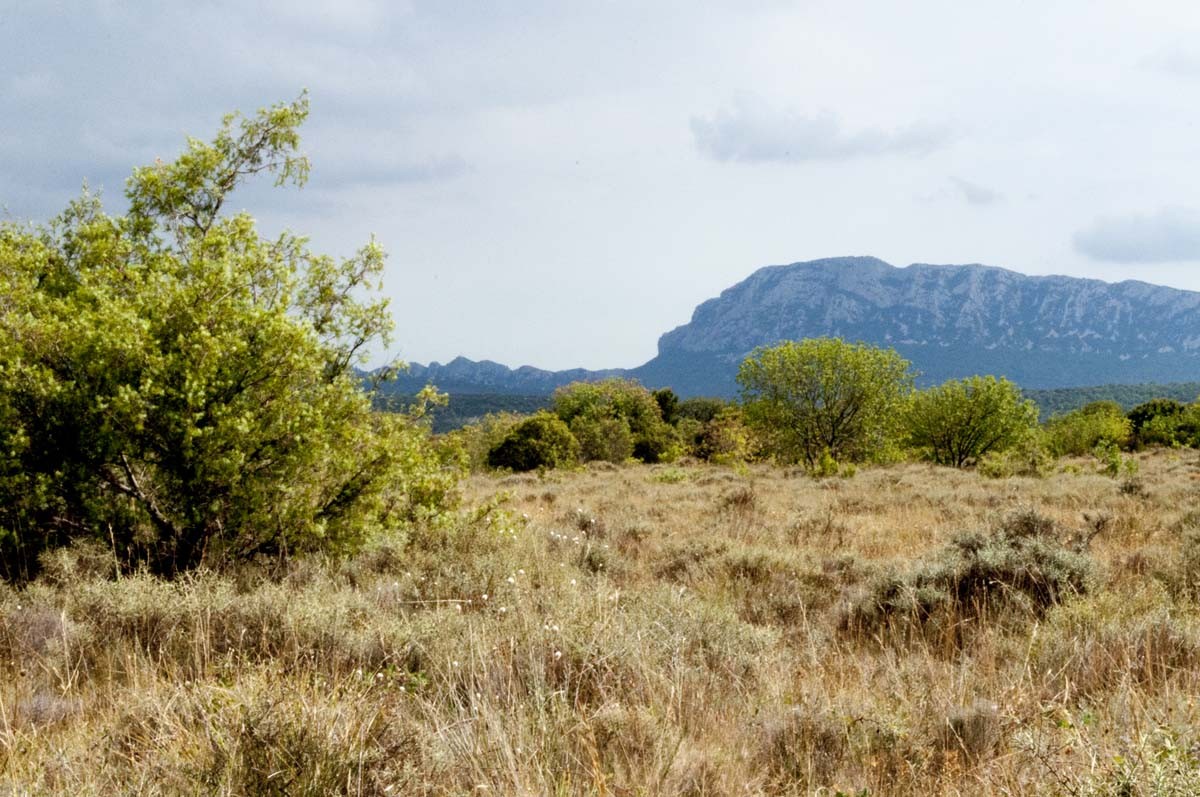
(602, 414)
(1078, 433)
(961, 420)
(602, 439)
(185, 391)
(478, 439)
(1111, 462)
(702, 409)
(1028, 458)
(1155, 422)
(725, 439)
(823, 394)
(541, 441)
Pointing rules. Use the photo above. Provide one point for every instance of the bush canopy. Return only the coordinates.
(184, 390)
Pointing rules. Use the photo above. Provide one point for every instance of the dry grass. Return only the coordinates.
(640, 630)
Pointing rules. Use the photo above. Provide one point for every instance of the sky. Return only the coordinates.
(558, 183)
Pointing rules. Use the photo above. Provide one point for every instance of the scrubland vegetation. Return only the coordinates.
(669, 629)
(224, 572)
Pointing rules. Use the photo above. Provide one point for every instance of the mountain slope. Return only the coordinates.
(950, 321)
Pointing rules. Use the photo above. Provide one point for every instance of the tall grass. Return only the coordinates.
(619, 631)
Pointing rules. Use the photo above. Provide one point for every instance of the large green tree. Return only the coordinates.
(183, 389)
(806, 398)
(959, 421)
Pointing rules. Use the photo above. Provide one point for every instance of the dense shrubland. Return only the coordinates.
(184, 391)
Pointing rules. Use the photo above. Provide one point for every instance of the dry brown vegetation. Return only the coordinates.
(681, 630)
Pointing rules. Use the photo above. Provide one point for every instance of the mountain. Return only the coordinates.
(950, 321)
(461, 375)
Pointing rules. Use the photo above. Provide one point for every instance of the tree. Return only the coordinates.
(184, 390)
(668, 404)
(1158, 422)
(540, 441)
(823, 396)
(615, 418)
(1077, 433)
(959, 421)
(702, 409)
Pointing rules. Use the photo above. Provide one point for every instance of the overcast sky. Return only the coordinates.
(558, 183)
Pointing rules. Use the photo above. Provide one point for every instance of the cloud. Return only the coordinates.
(1171, 234)
(1181, 63)
(976, 194)
(754, 132)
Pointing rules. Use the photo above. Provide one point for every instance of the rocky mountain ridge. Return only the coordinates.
(950, 321)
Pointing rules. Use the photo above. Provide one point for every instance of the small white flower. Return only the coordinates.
(557, 655)
(573, 582)
(483, 596)
(511, 580)
(520, 572)
(503, 609)
(455, 663)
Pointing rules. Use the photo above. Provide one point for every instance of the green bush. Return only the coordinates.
(805, 398)
(1028, 458)
(478, 439)
(185, 391)
(1079, 432)
(962, 420)
(702, 409)
(601, 412)
(541, 441)
(725, 439)
(1111, 462)
(668, 404)
(602, 439)
(1162, 422)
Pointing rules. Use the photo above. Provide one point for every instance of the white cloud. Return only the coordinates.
(753, 131)
(1170, 235)
(975, 193)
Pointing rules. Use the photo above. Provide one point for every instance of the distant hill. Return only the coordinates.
(1056, 401)
(950, 321)
(466, 408)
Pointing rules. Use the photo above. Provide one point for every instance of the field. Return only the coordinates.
(644, 630)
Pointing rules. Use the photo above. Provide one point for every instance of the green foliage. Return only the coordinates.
(1059, 401)
(542, 441)
(478, 439)
(668, 404)
(961, 420)
(183, 390)
(1079, 432)
(702, 409)
(463, 409)
(822, 395)
(1165, 422)
(1028, 457)
(604, 414)
(725, 439)
(1108, 454)
(602, 439)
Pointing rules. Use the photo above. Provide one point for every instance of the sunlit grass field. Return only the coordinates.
(644, 630)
